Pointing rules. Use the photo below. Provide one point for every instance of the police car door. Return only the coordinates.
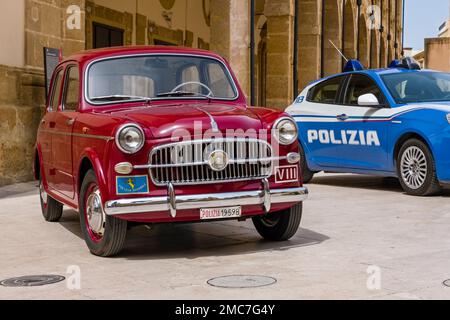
(361, 131)
(316, 118)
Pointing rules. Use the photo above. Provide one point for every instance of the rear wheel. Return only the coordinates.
(52, 210)
(279, 226)
(104, 235)
(416, 169)
(307, 174)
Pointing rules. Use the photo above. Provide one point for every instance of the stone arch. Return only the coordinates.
(350, 30)
(332, 31)
(363, 42)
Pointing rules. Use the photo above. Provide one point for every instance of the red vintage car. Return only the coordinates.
(161, 135)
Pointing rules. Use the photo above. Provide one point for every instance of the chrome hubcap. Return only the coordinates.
(414, 167)
(43, 194)
(95, 213)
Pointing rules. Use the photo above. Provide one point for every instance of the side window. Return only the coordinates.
(72, 90)
(56, 90)
(360, 85)
(326, 92)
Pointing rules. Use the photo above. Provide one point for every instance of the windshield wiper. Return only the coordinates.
(183, 94)
(119, 97)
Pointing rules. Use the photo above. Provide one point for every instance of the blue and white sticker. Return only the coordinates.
(132, 185)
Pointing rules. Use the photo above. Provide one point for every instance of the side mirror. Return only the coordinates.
(368, 99)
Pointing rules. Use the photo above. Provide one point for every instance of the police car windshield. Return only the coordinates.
(423, 86)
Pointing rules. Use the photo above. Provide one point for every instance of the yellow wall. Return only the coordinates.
(186, 14)
(12, 32)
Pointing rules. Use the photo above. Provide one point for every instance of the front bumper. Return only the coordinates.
(171, 203)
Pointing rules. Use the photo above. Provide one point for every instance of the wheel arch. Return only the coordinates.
(405, 137)
(90, 160)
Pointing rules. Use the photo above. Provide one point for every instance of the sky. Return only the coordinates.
(422, 20)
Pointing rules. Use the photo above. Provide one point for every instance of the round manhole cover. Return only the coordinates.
(32, 281)
(447, 283)
(242, 281)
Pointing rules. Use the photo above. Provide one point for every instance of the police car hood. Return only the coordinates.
(441, 105)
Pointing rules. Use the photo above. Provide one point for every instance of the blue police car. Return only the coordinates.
(392, 122)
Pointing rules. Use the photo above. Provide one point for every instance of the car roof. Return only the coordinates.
(93, 54)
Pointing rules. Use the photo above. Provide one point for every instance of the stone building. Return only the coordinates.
(291, 47)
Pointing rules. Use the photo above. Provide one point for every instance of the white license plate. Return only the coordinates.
(220, 213)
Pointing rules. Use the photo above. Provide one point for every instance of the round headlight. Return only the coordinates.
(285, 131)
(130, 138)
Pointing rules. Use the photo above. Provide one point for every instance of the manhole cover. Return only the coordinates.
(242, 281)
(32, 281)
(447, 283)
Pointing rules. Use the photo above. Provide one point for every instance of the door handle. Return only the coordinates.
(342, 117)
(70, 122)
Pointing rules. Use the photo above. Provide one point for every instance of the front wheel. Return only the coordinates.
(279, 226)
(104, 235)
(416, 169)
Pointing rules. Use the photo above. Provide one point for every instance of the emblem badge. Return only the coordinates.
(218, 160)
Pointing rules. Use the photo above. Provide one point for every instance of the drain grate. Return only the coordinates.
(32, 281)
(241, 282)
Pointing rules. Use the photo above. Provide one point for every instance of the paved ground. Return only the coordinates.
(350, 223)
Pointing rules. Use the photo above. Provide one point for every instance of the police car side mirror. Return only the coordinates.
(368, 99)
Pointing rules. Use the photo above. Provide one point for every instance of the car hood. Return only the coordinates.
(165, 120)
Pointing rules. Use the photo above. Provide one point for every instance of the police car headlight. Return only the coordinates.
(285, 131)
(130, 138)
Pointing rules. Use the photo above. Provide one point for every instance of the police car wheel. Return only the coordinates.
(416, 169)
(104, 235)
(307, 174)
(279, 226)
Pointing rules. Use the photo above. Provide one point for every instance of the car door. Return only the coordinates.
(316, 118)
(48, 127)
(62, 139)
(362, 130)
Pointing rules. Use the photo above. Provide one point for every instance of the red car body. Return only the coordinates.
(70, 143)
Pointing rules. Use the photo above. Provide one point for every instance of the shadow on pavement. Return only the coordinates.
(190, 241)
(364, 182)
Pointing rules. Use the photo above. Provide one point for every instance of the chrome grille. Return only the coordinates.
(186, 163)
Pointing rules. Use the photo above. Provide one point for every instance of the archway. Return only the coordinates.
(374, 46)
(363, 42)
(332, 62)
(350, 30)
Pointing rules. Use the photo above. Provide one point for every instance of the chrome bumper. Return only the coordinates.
(171, 203)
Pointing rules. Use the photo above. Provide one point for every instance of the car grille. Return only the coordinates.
(186, 163)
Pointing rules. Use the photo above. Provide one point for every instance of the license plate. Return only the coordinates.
(220, 213)
(286, 174)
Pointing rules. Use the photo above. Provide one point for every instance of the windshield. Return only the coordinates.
(408, 87)
(158, 77)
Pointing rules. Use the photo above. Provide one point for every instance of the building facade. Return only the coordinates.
(294, 43)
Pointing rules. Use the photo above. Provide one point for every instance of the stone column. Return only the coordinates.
(230, 26)
(280, 24)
